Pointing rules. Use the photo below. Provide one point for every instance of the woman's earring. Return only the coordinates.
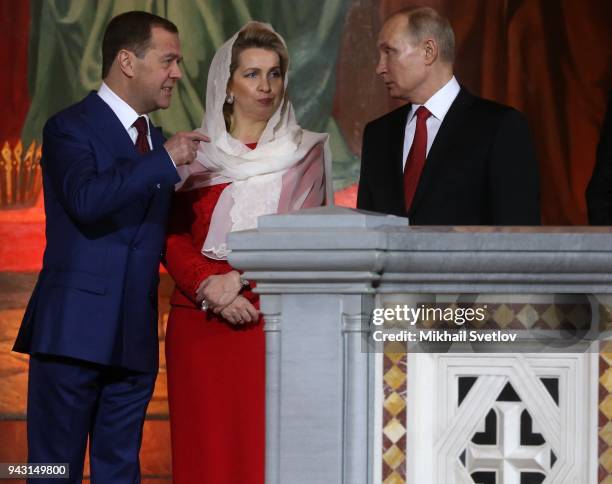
(229, 99)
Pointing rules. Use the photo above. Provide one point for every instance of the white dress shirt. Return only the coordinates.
(438, 105)
(124, 112)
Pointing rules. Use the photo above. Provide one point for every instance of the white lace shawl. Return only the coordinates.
(289, 169)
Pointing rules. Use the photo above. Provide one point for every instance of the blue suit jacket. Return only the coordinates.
(106, 210)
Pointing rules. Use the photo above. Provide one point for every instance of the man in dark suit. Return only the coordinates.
(447, 157)
(91, 323)
(599, 191)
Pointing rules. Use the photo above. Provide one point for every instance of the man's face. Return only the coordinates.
(156, 74)
(401, 64)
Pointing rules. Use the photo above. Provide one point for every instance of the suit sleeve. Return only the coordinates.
(513, 174)
(184, 260)
(364, 194)
(69, 162)
(599, 190)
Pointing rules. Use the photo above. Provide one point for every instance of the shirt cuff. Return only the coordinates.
(170, 158)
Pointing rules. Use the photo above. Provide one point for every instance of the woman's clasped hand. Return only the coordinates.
(221, 292)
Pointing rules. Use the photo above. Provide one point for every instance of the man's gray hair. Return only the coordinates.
(425, 22)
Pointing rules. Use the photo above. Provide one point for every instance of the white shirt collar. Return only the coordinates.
(122, 110)
(439, 104)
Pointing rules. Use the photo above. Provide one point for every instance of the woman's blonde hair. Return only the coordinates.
(254, 36)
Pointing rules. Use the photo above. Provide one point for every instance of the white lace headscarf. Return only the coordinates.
(289, 169)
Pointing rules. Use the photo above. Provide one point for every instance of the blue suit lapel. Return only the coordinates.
(111, 133)
(160, 195)
(157, 138)
(107, 127)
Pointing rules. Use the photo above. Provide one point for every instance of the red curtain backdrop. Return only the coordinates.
(15, 100)
(551, 59)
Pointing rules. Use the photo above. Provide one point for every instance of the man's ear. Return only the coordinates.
(125, 60)
(431, 51)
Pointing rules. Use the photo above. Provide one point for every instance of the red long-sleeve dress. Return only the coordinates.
(216, 371)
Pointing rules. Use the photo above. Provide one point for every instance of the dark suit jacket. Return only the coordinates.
(481, 168)
(106, 212)
(599, 191)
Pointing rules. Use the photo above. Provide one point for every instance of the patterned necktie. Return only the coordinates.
(142, 143)
(416, 156)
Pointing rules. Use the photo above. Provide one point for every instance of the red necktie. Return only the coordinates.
(142, 143)
(416, 156)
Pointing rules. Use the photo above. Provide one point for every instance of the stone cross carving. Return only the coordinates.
(508, 458)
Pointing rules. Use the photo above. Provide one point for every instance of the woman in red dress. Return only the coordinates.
(259, 161)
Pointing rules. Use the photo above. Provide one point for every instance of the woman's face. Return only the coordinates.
(257, 85)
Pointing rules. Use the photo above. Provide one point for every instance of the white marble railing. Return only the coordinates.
(321, 271)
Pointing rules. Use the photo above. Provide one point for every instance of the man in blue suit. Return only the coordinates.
(91, 323)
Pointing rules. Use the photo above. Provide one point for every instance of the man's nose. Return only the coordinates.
(381, 67)
(176, 72)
